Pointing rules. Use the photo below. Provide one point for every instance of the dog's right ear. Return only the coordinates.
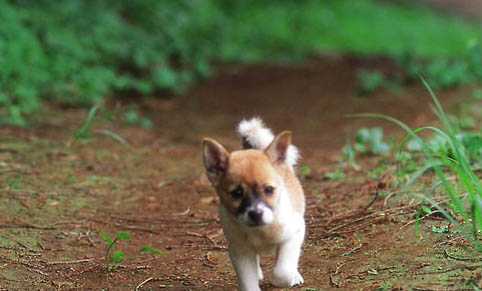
(216, 159)
(277, 151)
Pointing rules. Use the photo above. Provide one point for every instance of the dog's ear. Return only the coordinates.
(277, 150)
(216, 159)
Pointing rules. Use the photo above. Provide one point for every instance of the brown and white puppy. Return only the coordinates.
(261, 203)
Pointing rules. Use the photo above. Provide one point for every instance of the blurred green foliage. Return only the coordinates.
(370, 140)
(77, 52)
(446, 72)
(370, 81)
(442, 72)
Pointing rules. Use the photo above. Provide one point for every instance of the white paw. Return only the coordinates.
(260, 274)
(286, 279)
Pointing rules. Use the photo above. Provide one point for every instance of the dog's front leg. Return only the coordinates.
(285, 272)
(246, 265)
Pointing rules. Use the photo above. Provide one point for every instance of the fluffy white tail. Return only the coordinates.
(255, 135)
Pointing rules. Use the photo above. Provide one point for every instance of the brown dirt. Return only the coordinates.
(55, 200)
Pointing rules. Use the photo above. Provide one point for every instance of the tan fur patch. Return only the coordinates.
(294, 188)
(272, 232)
(250, 169)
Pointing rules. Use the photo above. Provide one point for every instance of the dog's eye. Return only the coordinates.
(269, 189)
(238, 192)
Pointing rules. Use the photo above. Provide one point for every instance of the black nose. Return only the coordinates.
(255, 216)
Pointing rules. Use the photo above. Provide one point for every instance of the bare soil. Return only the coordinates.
(55, 199)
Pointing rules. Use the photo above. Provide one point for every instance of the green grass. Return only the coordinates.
(78, 52)
(361, 27)
(465, 215)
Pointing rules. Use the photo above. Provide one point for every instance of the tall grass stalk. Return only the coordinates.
(468, 184)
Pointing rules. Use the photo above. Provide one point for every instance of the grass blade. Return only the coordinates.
(113, 136)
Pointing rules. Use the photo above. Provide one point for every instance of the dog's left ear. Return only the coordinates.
(215, 158)
(277, 150)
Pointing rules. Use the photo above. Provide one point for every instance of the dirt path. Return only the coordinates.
(54, 200)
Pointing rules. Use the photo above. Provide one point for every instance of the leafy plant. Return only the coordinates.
(337, 174)
(367, 140)
(114, 256)
(467, 183)
(370, 81)
(132, 116)
(370, 140)
(441, 229)
(348, 153)
(304, 170)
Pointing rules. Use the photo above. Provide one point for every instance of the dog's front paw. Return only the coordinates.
(286, 278)
(260, 274)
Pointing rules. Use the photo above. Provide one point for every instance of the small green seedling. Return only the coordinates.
(426, 210)
(305, 171)
(367, 140)
(348, 154)
(337, 174)
(133, 117)
(16, 183)
(370, 140)
(375, 173)
(85, 131)
(441, 229)
(370, 81)
(114, 256)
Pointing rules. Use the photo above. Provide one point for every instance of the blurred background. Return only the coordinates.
(80, 52)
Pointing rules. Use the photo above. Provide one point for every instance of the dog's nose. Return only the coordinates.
(255, 216)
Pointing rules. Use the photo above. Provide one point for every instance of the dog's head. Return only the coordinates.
(247, 181)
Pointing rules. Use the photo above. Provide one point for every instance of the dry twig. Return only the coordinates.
(70, 262)
(448, 255)
(145, 281)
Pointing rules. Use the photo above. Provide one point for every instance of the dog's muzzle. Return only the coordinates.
(257, 214)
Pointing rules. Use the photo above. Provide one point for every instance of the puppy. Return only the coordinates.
(261, 203)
